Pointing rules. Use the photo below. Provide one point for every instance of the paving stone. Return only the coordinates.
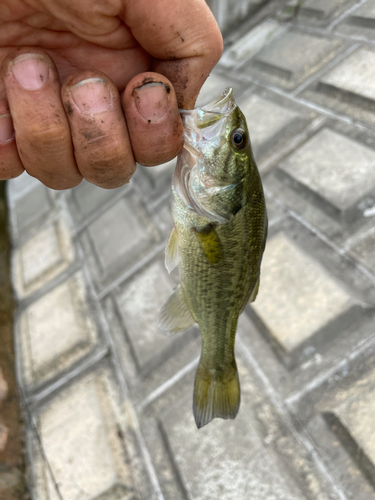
(297, 296)
(228, 473)
(251, 43)
(343, 429)
(339, 226)
(159, 179)
(79, 431)
(163, 217)
(356, 416)
(229, 13)
(364, 251)
(32, 207)
(177, 354)
(267, 122)
(43, 257)
(361, 21)
(116, 233)
(18, 187)
(118, 238)
(87, 197)
(355, 74)
(253, 456)
(336, 168)
(349, 87)
(321, 8)
(139, 304)
(55, 331)
(284, 61)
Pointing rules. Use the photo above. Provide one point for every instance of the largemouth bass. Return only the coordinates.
(218, 239)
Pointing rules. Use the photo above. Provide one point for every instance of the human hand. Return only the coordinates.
(91, 87)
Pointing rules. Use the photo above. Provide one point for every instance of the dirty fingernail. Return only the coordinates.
(152, 100)
(91, 96)
(30, 71)
(6, 128)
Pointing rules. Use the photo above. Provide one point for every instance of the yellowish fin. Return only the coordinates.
(216, 394)
(175, 316)
(172, 251)
(210, 244)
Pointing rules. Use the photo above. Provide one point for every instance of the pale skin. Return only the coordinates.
(90, 87)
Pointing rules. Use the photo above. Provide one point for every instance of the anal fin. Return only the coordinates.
(175, 315)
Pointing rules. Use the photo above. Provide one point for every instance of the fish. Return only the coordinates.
(217, 241)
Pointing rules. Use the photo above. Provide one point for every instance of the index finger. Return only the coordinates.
(184, 39)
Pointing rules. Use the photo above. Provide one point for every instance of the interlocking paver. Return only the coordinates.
(118, 238)
(86, 198)
(336, 168)
(139, 304)
(230, 12)
(361, 21)
(55, 331)
(155, 181)
(342, 427)
(79, 432)
(292, 282)
(251, 43)
(32, 207)
(356, 416)
(363, 250)
(283, 61)
(43, 256)
(349, 87)
(266, 121)
(355, 74)
(254, 455)
(322, 9)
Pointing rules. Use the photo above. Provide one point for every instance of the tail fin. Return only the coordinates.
(216, 394)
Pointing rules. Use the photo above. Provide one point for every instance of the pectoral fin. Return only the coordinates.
(172, 251)
(210, 243)
(175, 316)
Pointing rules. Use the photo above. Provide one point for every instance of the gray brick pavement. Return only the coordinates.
(108, 400)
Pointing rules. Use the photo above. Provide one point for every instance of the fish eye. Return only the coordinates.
(238, 138)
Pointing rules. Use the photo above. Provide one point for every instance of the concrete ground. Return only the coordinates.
(109, 400)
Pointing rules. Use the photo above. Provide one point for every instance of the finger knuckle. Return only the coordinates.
(44, 139)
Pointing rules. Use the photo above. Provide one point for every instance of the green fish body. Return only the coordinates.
(218, 239)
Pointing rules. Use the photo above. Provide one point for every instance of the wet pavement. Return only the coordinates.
(110, 399)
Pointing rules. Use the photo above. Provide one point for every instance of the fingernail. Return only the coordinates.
(152, 100)
(92, 96)
(30, 71)
(6, 128)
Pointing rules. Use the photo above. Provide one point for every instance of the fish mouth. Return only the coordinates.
(211, 113)
(208, 122)
(223, 104)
